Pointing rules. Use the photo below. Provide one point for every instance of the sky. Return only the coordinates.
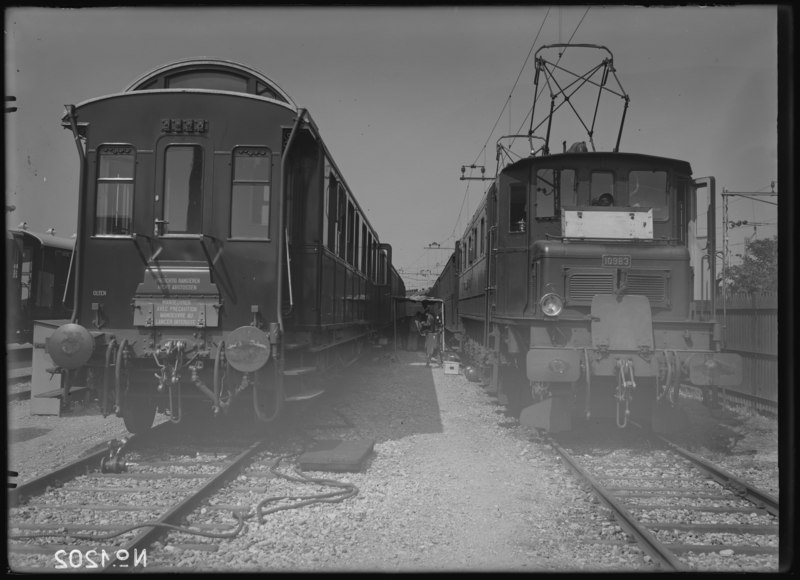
(403, 97)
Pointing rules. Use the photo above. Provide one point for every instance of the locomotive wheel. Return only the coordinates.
(138, 410)
(515, 386)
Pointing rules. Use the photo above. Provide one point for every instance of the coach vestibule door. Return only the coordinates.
(179, 202)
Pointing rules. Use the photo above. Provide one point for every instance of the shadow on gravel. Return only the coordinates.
(383, 397)
(26, 434)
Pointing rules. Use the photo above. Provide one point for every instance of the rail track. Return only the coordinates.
(143, 502)
(685, 513)
(104, 510)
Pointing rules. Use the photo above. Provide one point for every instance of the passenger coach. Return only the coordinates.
(220, 252)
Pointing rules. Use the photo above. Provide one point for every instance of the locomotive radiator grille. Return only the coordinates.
(582, 286)
(654, 286)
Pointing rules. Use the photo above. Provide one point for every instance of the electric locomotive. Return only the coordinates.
(575, 279)
(220, 256)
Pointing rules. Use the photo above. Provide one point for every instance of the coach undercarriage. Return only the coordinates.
(192, 373)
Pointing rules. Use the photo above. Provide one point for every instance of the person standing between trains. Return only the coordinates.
(432, 338)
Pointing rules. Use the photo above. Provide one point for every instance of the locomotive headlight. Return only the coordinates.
(551, 304)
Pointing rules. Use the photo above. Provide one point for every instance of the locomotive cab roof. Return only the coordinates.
(599, 158)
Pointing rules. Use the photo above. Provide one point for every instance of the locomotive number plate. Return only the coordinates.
(616, 261)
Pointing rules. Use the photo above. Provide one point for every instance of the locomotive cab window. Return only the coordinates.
(114, 209)
(649, 189)
(183, 189)
(602, 188)
(517, 208)
(546, 193)
(567, 188)
(250, 192)
(554, 188)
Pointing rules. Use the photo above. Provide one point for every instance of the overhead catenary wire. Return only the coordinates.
(482, 151)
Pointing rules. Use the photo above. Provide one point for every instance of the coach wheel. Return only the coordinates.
(109, 376)
(268, 395)
(138, 411)
(222, 395)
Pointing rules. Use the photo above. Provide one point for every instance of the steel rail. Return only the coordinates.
(174, 515)
(728, 480)
(69, 471)
(655, 549)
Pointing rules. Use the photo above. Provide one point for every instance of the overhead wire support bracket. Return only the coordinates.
(473, 166)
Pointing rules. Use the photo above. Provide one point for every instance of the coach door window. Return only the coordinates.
(517, 208)
(183, 189)
(649, 189)
(250, 193)
(114, 210)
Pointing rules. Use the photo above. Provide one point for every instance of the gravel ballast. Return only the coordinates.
(450, 485)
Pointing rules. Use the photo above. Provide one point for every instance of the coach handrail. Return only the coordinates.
(282, 239)
(78, 252)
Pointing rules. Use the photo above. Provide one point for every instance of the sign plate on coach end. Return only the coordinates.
(337, 455)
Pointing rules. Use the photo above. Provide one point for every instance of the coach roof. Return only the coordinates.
(210, 74)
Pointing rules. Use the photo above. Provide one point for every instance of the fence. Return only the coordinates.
(751, 330)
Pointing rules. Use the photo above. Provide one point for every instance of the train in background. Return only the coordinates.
(37, 268)
(221, 256)
(572, 285)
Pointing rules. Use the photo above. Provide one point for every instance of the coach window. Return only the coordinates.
(357, 242)
(649, 189)
(250, 193)
(329, 223)
(483, 235)
(183, 189)
(382, 263)
(474, 237)
(546, 198)
(114, 211)
(602, 182)
(350, 231)
(364, 248)
(341, 221)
